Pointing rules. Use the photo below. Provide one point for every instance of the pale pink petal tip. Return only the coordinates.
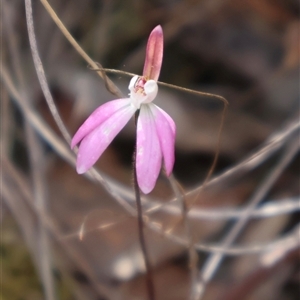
(154, 54)
(81, 169)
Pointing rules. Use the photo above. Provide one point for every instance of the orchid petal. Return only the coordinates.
(148, 151)
(166, 131)
(101, 114)
(94, 144)
(154, 54)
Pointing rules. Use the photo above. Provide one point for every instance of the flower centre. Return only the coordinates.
(138, 87)
(142, 91)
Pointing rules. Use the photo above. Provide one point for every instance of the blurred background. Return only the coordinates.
(68, 236)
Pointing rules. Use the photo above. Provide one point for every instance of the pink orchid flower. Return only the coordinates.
(155, 128)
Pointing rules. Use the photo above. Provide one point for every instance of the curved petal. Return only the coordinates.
(99, 115)
(148, 151)
(166, 131)
(94, 144)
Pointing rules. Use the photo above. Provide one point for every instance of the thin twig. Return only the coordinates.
(6, 125)
(214, 260)
(110, 85)
(41, 243)
(192, 254)
(41, 73)
(218, 145)
(172, 86)
(40, 199)
(268, 209)
(18, 197)
(216, 156)
(261, 275)
(270, 146)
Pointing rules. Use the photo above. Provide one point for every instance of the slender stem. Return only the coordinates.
(216, 156)
(142, 240)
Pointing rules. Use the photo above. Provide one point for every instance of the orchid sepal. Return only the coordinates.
(154, 54)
